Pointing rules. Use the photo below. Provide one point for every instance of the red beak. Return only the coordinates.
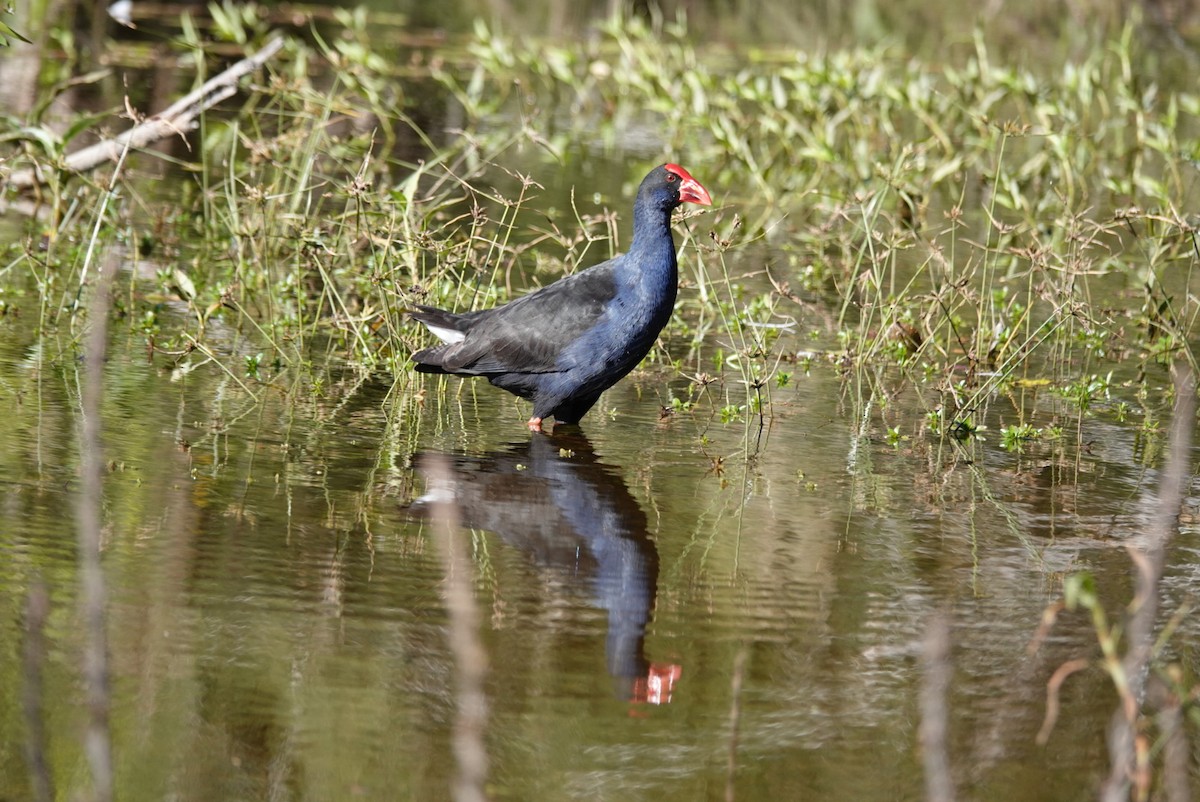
(690, 190)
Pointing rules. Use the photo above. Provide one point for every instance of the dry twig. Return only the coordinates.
(1148, 564)
(177, 119)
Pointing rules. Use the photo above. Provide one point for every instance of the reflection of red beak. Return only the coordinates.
(655, 688)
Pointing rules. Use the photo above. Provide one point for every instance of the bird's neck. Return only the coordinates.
(652, 235)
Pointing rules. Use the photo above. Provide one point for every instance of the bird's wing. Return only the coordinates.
(528, 334)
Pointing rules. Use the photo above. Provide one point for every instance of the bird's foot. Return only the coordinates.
(534, 424)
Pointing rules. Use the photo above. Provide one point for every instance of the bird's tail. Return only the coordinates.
(449, 327)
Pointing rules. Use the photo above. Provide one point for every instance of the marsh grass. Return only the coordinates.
(975, 226)
(957, 221)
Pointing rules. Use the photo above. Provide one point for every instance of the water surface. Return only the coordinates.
(278, 626)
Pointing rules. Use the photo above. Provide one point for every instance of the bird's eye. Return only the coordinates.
(670, 176)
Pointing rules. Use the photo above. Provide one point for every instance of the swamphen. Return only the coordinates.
(565, 344)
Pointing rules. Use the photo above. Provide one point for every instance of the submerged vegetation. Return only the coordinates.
(1009, 250)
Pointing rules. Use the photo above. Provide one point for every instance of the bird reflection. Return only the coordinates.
(551, 498)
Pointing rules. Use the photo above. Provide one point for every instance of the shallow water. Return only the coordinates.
(278, 626)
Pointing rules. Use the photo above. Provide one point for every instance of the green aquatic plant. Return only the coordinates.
(1015, 438)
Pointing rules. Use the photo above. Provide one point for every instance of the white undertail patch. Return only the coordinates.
(446, 335)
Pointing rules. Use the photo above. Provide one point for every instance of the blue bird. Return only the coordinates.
(565, 344)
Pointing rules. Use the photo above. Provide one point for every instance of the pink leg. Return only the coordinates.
(534, 424)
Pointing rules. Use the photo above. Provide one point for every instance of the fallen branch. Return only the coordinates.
(180, 117)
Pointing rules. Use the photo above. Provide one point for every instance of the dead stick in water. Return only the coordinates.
(935, 712)
(1176, 752)
(735, 719)
(470, 660)
(176, 119)
(88, 517)
(92, 601)
(1149, 562)
(37, 609)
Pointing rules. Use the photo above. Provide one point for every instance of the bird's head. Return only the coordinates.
(669, 185)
